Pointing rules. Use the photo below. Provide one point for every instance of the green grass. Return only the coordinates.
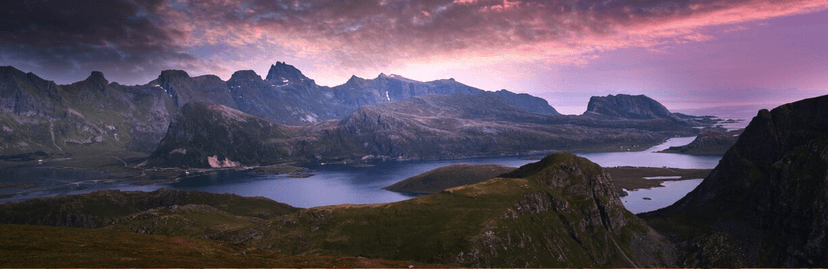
(472, 219)
(448, 176)
(40, 246)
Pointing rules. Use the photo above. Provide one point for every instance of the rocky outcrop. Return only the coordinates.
(282, 73)
(766, 203)
(185, 89)
(296, 100)
(628, 107)
(708, 143)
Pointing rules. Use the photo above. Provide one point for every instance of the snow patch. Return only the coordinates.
(179, 151)
(386, 96)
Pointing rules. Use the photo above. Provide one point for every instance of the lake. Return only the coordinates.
(346, 184)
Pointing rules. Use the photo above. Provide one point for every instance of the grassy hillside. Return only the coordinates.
(101, 208)
(449, 176)
(559, 212)
(564, 214)
(41, 246)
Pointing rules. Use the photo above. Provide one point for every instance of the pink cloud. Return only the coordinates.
(382, 34)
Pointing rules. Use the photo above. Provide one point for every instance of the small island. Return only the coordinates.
(708, 143)
(626, 177)
(449, 176)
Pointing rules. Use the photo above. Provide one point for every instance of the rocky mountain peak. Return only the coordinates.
(167, 75)
(96, 80)
(245, 75)
(354, 80)
(282, 73)
(6, 70)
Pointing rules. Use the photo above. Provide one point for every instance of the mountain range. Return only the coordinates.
(387, 117)
(764, 205)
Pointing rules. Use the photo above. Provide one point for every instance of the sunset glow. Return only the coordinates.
(693, 56)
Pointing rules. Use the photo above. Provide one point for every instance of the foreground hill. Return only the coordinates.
(101, 208)
(559, 212)
(766, 203)
(74, 247)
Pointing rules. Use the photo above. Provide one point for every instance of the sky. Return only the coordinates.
(725, 58)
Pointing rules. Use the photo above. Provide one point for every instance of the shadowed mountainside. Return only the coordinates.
(210, 135)
(766, 203)
(92, 115)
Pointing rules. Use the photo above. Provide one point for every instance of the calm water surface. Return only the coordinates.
(658, 197)
(346, 184)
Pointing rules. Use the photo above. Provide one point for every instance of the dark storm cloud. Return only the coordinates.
(64, 40)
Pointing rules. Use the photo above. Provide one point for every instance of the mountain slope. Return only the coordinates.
(101, 208)
(90, 115)
(423, 127)
(210, 135)
(451, 126)
(561, 211)
(766, 203)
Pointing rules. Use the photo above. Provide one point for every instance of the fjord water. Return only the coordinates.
(348, 184)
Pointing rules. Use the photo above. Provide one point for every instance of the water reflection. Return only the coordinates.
(646, 200)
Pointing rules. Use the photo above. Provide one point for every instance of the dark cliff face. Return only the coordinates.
(210, 135)
(295, 101)
(766, 203)
(185, 89)
(282, 73)
(628, 106)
